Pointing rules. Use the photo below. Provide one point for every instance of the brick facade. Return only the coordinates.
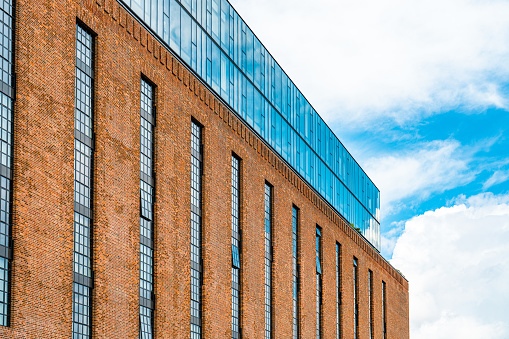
(42, 230)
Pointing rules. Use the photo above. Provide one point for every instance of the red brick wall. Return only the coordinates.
(43, 197)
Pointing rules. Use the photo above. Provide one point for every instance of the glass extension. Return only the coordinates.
(214, 41)
(83, 170)
(147, 195)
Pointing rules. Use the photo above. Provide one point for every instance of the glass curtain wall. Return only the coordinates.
(214, 41)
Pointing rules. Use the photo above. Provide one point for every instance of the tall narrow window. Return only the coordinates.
(318, 283)
(384, 309)
(338, 291)
(371, 333)
(83, 170)
(196, 213)
(356, 298)
(236, 249)
(147, 194)
(295, 229)
(6, 105)
(268, 261)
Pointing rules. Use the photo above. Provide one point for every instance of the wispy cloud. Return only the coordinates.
(498, 177)
(457, 261)
(394, 60)
(416, 173)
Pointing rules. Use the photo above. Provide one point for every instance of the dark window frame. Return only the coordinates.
(84, 146)
(269, 259)
(147, 204)
(296, 270)
(236, 238)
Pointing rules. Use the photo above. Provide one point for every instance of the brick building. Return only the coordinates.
(162, 177)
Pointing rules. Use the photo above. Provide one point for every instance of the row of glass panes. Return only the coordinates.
(146, 210)
(83, 155)
(196, 274)
(216, 43)
(268, 261)
(295, 274)
(318, 283)
(6, 105)
(235, 249)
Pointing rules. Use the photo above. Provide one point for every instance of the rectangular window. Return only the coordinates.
(318, 283)
(236, 248)
(338, 291)
(6, 112)
(371, 306)
(268, 261)
(296, 287)
(196, 213)
(356, 298)
(147, 194)
(83, 170)
(384, 309)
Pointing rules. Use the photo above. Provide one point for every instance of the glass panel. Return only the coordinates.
(83, 155)
(235, 249)
(268, 262)
(295, 223)
(146, 214)
(196, 268)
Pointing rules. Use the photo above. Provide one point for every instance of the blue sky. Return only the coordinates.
(418, 91)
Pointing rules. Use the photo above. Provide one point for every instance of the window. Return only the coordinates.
(147, 195)
(338, 291)
(6, 106)
(268, 261)
(384, 309)
(371, 332)
(236, 246)
(83, 159)
(295, 238)
(356, 298)
(318, 283)
(196, 262)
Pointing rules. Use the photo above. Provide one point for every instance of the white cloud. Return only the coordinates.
(390, 238)
(357, 61)
(457, 261)
(498, 177)
(427, 168)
